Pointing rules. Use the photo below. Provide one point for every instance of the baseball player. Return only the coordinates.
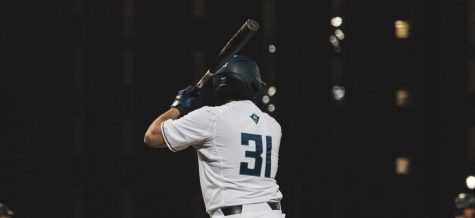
(237, 144)
(465, 205)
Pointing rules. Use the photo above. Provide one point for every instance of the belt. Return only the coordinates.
(237, 209)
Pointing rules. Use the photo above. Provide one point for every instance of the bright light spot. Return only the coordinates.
(402, 97)
(470, 181)
(334, 41)
(272, 48)
(271, 108)
(336, 21)
(402, 165)
(461, 195)
(271, 91)
(338, 92)
(265, 99)
(339, 34)
(402, 29)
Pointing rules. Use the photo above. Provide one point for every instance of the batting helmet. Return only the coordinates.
(238, 79)
(5, 211)
(464, 201)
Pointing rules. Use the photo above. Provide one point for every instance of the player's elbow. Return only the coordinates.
(148, 140)
(153, 141)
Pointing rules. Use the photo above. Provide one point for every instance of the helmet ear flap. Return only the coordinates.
(259, 87)
(256, 88)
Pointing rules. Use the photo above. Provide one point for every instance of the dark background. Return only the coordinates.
(81, 80)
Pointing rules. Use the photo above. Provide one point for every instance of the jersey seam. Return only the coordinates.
(220, 157)
(162, 126)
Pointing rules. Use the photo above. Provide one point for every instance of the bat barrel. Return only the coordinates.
(239, 39)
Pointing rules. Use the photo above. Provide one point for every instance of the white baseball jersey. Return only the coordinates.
(237, 146)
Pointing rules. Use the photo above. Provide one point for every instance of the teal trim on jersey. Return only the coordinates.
(245, 170)
(165, 138)
(268, 156)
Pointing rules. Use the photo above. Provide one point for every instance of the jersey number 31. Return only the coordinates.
(256, 154)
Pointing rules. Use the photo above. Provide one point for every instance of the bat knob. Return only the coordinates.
(252, 25)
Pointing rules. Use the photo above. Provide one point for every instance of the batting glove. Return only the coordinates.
(184, 99)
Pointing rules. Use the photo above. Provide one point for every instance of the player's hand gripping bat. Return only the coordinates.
(239, 39)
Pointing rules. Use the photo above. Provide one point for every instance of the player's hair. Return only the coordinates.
(238, 79)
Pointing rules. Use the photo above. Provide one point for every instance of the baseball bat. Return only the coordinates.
(239, 39)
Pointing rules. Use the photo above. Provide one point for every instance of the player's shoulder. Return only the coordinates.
(272, 120)
(209, 111)
(218, 109)
(214, 109)
(269, 119)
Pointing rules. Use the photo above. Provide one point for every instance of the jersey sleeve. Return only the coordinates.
(192, 129)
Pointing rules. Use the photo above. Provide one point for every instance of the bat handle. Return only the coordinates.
(203, 79)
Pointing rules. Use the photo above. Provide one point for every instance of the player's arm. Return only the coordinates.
(153, 136)
(180, 106)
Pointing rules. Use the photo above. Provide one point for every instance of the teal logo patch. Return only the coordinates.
(255, 118)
